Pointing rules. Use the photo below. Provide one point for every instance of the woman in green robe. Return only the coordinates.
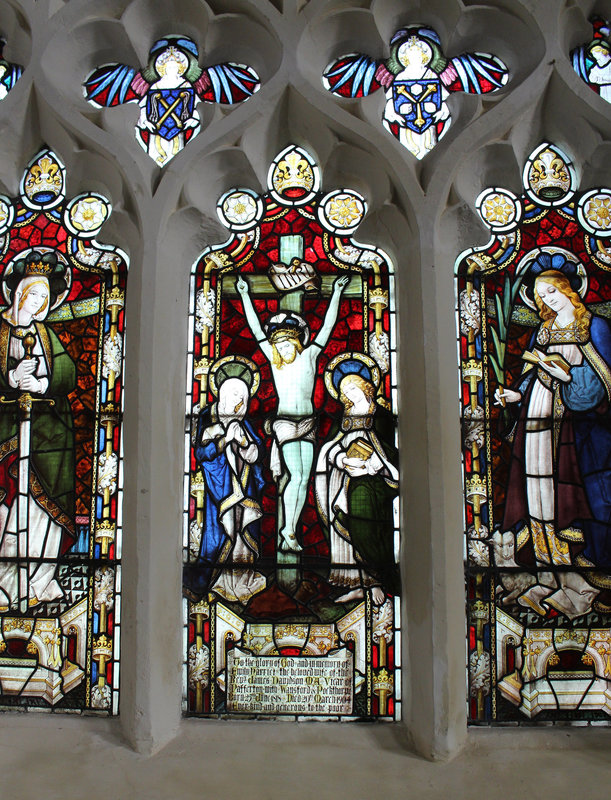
(34, 365)
(356, 483)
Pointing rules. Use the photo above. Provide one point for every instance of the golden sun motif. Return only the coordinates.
(344, 211)
(598, 212)
(497, 210)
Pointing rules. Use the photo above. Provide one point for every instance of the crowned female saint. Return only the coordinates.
(356, 483)
(558, 501)
(36, 433)
(229, 451)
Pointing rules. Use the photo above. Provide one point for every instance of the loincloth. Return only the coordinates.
(286, 430)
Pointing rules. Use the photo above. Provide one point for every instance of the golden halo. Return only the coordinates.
(235, 367)
(334, 366)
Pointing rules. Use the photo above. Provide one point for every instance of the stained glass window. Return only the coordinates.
(592, 61)
(9, 73)
(535, 353)
(417, 80)
(61, 396)
(167, 91)
(291, 541)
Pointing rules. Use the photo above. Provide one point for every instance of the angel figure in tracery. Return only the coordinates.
(417, 79)
(592, 61)
(9, 73)
(168, 90)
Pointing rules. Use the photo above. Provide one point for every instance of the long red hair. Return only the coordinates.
(562, 283)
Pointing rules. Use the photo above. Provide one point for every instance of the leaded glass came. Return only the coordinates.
(61, 399)
(417, 80)
(291, 579)
(535, 352)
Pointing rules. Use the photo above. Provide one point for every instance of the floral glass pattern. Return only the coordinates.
(291, 485)
(61, 398)
(417, 80)
(168, 90)
(534, 319)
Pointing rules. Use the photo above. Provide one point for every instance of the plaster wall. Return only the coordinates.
(422, 214)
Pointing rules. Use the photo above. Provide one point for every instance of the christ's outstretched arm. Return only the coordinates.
(251, 316)
(322, 337)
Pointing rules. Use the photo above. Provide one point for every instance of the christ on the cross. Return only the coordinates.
(285, 344)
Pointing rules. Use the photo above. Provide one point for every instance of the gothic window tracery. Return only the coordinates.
(534, 308)
(291, 536)
(61, 398)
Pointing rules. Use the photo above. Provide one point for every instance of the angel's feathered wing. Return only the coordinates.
(476, 73)
(352, 75)
(114, 84)
(227, 83)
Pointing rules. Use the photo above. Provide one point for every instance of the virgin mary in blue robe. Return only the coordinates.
(229, 452)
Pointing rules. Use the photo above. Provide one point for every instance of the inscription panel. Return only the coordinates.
(289, 685)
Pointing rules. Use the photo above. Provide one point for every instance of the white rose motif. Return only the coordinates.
(239, 208)
(89, 214)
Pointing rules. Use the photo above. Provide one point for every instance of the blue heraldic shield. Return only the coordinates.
(422, 97)
(169, 109)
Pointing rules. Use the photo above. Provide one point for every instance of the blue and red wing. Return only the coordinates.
(13, 73)
(111, 85)
(476, 73)
(581, 63)
(227, 83)
(353, 75)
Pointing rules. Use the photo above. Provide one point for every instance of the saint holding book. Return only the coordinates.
(356, 483)
(558, 499)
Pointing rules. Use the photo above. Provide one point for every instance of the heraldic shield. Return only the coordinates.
(418, 96)
(169, 109)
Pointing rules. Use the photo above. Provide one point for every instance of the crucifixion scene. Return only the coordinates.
(291, 528)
